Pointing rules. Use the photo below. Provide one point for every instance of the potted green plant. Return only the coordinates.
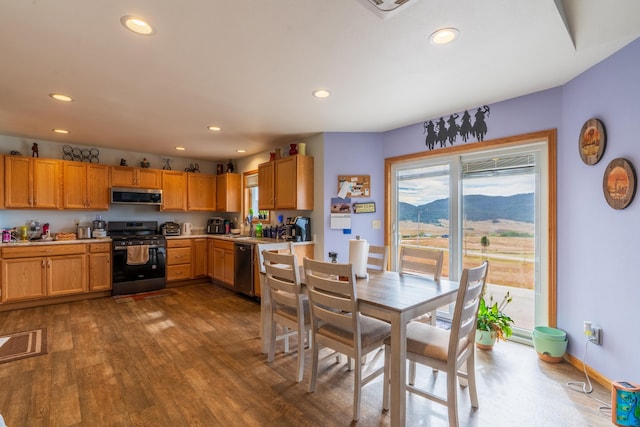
(493, 324)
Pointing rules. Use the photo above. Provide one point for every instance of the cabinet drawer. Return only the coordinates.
(223, 244)
(179, 256)
(179, 243)
(99, 247)
(48, 250)
(178, 272)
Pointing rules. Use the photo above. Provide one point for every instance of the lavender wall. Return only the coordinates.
(598, 257)
(353, 154)
(596, 253)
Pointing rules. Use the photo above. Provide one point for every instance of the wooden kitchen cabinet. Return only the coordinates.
(223, 261)
(124, 176)
(210, 263)
(228, 192)
(266, 186)
(33, 272)
(199, 258)
(85, 186)
(174, 191)
(201, 192)
(2, 180)
(178, 259)
(99, 266)
(286, 183)
(32, 182)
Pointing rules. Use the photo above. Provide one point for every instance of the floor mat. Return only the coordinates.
(21, 345)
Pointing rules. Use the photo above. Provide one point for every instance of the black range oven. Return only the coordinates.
(138, 257)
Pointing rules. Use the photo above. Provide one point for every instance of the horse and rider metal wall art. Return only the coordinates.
(443, 131)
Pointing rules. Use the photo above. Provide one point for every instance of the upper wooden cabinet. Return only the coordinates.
(124, 176)
(201, 191)
(32, 182)
(174, 191)
(2, 179)
(228, 192)
(86, 186)
(286, 183)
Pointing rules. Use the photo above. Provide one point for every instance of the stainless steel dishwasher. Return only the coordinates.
(243, 268)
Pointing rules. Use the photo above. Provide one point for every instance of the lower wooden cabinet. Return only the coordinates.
(99, 266)
(223, 261)
(178, 259)
(33, 272)
(199, 258)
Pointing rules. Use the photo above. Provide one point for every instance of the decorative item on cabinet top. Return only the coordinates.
(80, 154)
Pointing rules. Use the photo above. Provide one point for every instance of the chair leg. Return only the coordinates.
(357, 388)
(385, 378)
(471, 377)
(301, 335)
(314, 368)
(286, 339)
(452, 393)
(412, 372)
(272, 341)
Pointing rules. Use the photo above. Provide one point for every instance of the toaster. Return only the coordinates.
(170, 229)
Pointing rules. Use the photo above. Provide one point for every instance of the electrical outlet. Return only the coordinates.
(596, 337)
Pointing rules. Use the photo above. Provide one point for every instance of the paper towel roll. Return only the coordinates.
(358, 254)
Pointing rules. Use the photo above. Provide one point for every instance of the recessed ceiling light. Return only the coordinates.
(321, 93)
(214, 128)
(137, 25)
(60, 97)
(444, 36)
(64, 131)
(240, 150)
(180, 148)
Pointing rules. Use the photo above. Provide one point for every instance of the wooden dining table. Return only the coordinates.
(397, 298)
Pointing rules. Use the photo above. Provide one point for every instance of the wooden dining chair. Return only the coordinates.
(336, 322)
(423, 262)
(265, 297)
(289, 306)
(377, 258)
(447, 350)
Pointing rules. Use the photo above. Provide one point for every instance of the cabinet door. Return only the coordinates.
(100, 271)
(228, 192)
(285, 183)
(97, 186)
(46, 183)
(228, 267)
(210, 260)
(266, 183)
(201, 192)
(218, 264)
(122, 176)
(23, 279)
(198, 258)
(149, 178)
(174, 191)
(66, 274)
(18, 173)
(74, 186)
(2, 180)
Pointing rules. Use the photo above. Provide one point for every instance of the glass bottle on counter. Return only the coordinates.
(258, 228)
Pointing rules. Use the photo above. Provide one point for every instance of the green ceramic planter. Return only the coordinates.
(550, 343)
(485, 339)
(550, 334)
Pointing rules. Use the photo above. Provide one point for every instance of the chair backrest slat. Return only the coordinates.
(377, 258)
(283, 277)
(421, 261)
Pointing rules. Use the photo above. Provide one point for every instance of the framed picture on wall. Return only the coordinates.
(619, 183)
(592, 142)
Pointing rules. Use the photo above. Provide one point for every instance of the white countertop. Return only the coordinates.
(235, 238)
(54, 242)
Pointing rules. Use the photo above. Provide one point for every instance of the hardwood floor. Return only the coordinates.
(193, 359)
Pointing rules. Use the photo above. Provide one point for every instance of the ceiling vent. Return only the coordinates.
(387, 8)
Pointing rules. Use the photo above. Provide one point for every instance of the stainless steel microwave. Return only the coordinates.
(136, 196)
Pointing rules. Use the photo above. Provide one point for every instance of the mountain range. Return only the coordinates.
(519, 207)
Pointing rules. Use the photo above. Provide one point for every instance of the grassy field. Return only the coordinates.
(510, 250)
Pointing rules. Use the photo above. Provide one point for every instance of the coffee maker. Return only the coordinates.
(299, 229)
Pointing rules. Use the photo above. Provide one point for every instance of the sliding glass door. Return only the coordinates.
(488, 204)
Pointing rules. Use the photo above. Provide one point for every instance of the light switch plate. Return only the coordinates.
(376, 224)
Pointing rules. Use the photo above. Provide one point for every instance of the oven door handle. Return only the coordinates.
(124, 248)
